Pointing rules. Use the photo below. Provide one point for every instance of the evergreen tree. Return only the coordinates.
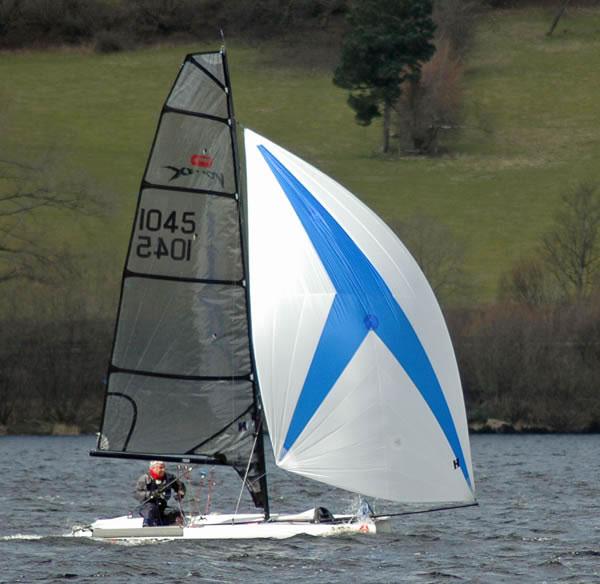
(385, 45)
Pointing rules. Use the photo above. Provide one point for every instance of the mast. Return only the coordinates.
(181, 383)
(259, 421)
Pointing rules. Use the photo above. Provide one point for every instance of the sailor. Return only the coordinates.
(154, 489)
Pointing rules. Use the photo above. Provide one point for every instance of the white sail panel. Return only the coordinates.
(375, 430)
(291, 298)
(310, 239)
(201, 239)
(211, 101)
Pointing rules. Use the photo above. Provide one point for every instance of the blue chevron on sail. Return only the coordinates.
(363, 302)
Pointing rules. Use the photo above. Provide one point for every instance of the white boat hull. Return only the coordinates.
(242, 526)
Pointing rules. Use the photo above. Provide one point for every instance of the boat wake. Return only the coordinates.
(22, 537)
(83, 532)
(76, 531)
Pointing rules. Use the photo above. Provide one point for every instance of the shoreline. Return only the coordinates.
(489, 426)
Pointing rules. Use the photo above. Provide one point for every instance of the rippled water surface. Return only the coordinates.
(538, 521)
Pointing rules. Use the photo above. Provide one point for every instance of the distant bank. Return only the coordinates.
(489, 426)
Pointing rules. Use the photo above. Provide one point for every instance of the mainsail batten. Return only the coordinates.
(236, 283)
(180, 381)
(173, 110)
(146, 373)
(148, 185)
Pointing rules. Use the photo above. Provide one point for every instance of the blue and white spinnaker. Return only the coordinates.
(355, 365)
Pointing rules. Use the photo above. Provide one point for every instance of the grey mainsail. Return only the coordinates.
(181, 377)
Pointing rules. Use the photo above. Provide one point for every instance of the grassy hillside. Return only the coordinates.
(532, 130)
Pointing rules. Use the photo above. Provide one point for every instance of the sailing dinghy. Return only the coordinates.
(257, 290)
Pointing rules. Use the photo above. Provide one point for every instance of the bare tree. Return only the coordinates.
(27, 191)
(571, 249)
(529, 283)
(439, 253)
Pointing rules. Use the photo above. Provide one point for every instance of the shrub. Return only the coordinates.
(527, 283)
(571, 248)
(47, 22)
(537, 366)
(160, 17)
(110, 41)
(8, 373)
(431, 105)
(56, 21)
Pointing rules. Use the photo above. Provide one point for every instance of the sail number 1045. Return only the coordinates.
(154, 244)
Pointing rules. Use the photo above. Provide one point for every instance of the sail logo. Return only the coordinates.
(202, 160)
(182, 171)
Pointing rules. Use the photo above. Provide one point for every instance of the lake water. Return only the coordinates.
(538, 521)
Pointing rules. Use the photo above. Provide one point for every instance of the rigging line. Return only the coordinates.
(211, 484)
(180, 475)
(258, 431)
(195, 498)
(417, 512)
(257, 479)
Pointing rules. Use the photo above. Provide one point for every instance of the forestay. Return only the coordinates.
(180, 384)
(357, 372)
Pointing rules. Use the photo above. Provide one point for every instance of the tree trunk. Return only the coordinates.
(560, 12)
(386, 127)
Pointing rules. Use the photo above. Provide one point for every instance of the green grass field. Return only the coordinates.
(532, 131)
